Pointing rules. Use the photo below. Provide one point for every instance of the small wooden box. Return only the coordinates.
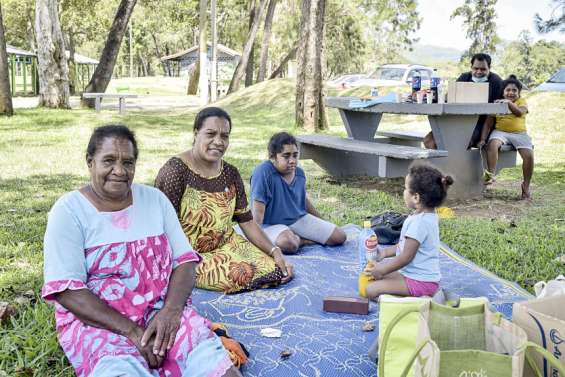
(354, 305)
(467, 92)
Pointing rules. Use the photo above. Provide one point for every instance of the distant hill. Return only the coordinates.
(427, 54)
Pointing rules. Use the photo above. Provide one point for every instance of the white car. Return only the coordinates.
(344, 80)
(556, 83)
(395, 75)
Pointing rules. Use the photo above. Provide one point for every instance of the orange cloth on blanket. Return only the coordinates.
(237, 355)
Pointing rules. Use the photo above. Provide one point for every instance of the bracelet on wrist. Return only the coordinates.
(272, 252)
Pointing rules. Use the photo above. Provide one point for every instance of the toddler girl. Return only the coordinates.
(414, 268)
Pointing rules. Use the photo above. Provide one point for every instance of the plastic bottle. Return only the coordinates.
(435, 81)
(366, 245)
(416, 84)
(374, 92)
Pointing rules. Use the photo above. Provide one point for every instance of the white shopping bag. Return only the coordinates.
(553, 287)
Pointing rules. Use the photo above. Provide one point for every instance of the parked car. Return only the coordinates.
(395, 75)
(556, 83)
(344, 80)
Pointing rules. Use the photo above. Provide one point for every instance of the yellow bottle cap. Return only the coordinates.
(366, 224)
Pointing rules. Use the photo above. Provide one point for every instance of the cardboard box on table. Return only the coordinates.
(467, 92)
(544, 322)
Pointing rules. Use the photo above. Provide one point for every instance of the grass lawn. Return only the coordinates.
(42, 157)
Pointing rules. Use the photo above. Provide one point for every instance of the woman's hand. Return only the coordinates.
(135, 336)
(163, 330)
(502, 100)
(282, 263)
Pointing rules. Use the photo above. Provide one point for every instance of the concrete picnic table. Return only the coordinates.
(98, 99)
(362, 153)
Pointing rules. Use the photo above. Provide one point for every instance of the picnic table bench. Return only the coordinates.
(389, 153)
(99, 96)
(362, 157)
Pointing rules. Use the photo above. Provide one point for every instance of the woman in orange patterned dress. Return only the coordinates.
(208, 195)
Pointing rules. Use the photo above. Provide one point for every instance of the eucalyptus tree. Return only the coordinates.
(81, 21)
(264, 55)
(52, 66)
(5, 93)
(309, 106)
(242, 65)
(103, 73)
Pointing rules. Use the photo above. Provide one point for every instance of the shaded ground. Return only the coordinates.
(501, 201)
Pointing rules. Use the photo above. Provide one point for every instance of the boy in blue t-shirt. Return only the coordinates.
(280, 203)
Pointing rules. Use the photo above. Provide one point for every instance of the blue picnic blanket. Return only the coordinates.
(328, 344)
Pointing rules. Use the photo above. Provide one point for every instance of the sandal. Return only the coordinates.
(526, 194)
(488, 178)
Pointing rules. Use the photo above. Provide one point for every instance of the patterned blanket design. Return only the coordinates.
(328, 344)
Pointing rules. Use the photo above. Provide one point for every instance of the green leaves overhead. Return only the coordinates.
(479, 20)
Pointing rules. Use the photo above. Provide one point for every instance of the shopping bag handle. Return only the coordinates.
(386, 336)
(546, 355)
(414, 356)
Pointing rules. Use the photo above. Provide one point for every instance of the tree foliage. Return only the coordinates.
(555, 21)
(479, 20)
(532, 63)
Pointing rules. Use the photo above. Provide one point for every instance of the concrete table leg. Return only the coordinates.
(452, 133)
(360, 125)
(97, 104)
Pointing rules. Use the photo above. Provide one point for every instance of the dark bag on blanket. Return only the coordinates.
(387, 227)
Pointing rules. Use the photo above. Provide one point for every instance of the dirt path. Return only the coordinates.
(141, 103)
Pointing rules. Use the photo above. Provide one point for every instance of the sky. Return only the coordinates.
(513, 16)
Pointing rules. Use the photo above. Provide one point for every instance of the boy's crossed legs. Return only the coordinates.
(307, 230)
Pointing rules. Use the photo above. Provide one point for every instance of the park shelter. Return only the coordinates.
(183, 61)
(84, 69)
(22, 66)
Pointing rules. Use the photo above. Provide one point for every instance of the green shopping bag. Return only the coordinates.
(467, 341)
(407, 334)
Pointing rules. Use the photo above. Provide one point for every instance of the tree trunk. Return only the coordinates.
(203, 53)
(310, 111)
(169, 69)
(193, 79)
(166, 69)
(51, 61)
(264, 56)
(103, 73)
(301, 58)
(73, 81)
(30, 31)
(5, 93)
(251, 62)
(279, 70)
(241, 66)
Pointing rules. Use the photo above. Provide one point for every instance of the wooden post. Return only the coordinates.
(24, 71)
(77, 80)
(97, 105)
(13, 74)
(34, 75)
(122, 107)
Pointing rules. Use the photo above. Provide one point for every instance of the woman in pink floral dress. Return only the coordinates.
(120, 270)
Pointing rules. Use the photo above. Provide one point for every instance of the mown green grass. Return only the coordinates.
(42, 157)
